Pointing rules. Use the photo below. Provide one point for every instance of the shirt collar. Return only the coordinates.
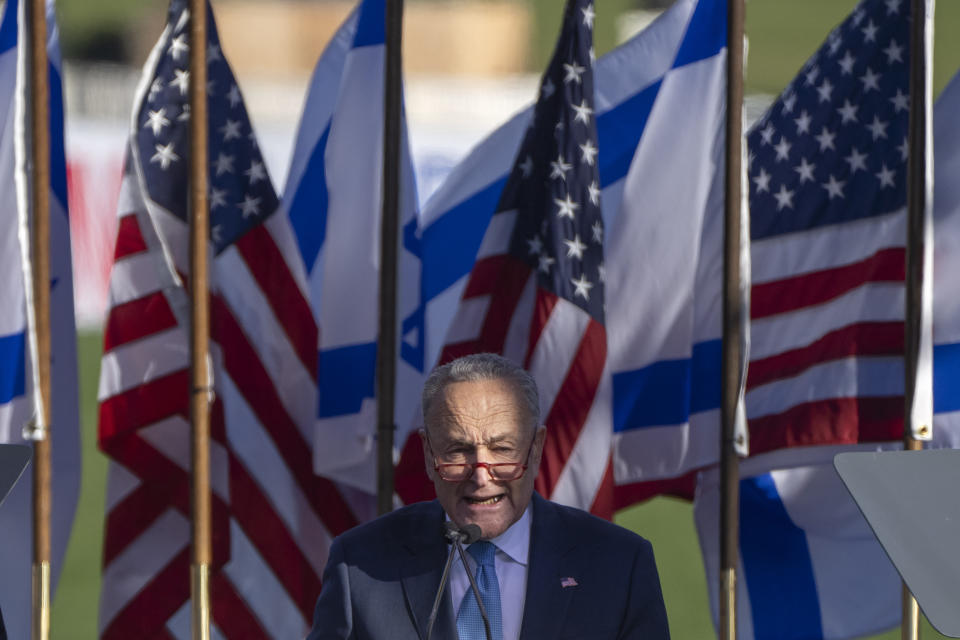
(515, 541)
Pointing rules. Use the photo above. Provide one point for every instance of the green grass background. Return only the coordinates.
(783, 33)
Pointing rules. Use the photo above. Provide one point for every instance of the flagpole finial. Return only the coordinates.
(33, 432)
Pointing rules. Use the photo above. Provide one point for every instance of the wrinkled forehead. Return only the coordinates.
(478, 411)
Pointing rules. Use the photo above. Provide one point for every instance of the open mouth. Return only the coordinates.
(484, 501)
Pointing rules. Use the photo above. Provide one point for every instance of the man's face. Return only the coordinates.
(482, 421)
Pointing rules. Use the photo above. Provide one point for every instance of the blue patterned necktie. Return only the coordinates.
(469, 620)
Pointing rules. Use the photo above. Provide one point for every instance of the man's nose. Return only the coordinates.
(481, 475)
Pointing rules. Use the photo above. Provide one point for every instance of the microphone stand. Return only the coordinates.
(443, 584)
(469, 534)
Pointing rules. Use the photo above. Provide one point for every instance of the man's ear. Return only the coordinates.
(427, 454)
(538, 439)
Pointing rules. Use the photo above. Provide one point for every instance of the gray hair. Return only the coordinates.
(483, 366)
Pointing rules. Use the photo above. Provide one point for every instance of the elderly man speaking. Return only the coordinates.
(542, 570)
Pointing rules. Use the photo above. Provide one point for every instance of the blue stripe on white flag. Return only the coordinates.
(13, 319)
(619, 131)
(58, 162)
(12, 367)
(776, 564)
(451, 243)
(371, 29)
(946, 377)
(58, 159)
(345, 378)
(706, 34)
(8, 29)
(668, 391)
(308, 205)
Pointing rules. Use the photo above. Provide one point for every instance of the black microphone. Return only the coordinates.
(457, 538)
(467, 535)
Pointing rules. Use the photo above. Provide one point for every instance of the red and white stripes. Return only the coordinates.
(827, 336)
(273, 518)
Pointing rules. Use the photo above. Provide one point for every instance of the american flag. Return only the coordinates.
(827, 198)
(273, 518)
(535, 293)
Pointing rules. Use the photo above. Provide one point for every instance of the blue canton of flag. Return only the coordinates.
(555, 185)
(241, 195)
(831, 135)
(827, 201)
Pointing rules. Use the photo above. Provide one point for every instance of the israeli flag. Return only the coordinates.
(333, 200)
(16, 368)
(665, 262)
(809, 564)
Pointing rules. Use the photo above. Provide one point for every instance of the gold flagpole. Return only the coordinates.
(732, 326)
(35, 12)
(916, 213)
(199, 328)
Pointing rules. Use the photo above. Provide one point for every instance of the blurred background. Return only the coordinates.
(469, 65)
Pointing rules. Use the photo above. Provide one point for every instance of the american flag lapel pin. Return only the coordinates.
(568, 582)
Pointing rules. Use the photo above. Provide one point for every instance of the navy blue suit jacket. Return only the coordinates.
(381, 579)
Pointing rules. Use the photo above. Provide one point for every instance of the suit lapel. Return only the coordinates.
(545, 607)
(421, 573)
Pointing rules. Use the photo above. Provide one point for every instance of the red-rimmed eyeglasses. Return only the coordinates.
(459, 471)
